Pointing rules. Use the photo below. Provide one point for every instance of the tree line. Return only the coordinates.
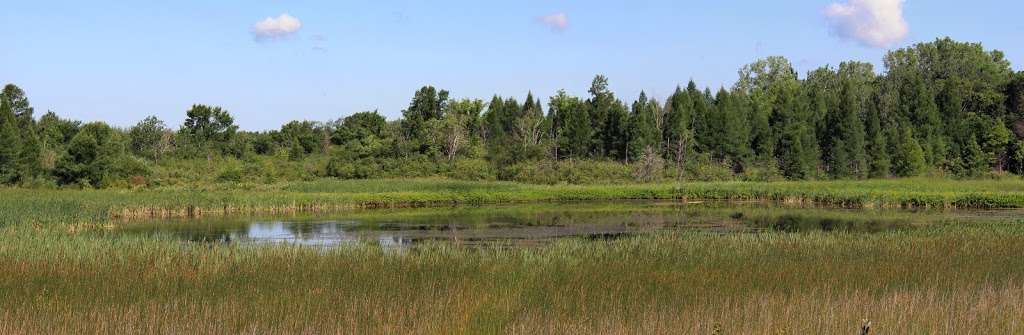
(942, 107)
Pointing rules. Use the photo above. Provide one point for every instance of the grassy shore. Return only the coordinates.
(87, 206)
(944, 279)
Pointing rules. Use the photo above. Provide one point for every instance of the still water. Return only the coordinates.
(537, 224)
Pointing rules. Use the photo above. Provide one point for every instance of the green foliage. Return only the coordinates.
(428, 104)
(959, 103)
(879, 163)
(570, 123)
(642, 133)
(207, 129)
(303, 137)
(148, 138)
(907, 155)
(92, 157)
(359, 127)
(10, 144)
(1015, 159)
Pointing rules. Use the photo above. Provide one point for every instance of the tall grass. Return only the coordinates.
(966, 278)
(942, 279)
(71, 206)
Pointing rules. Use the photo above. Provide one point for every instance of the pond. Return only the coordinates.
(538, 224)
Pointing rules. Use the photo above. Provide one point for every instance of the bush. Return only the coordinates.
(706, 169)
(472, 169)
(762, 172)
(348, 169)
(231, 174)
(534, 172)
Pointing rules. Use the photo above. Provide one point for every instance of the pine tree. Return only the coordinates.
(699, 117)
(993, 142)
(1015, 157)
(908, 157)
(600, 107)
(10, 144)
(643, 128)
(797, 149)
(616, 132)
(973, 161)
(678, 109)
(427, 104)
(878, 155)
(853, 160)
(737, 122)
(762, 136)
(27, 162)
(578, 133)
(570, 126)
(925, 116)
(678, 136)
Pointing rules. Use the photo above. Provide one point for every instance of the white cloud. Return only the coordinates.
(273, 28)
(874, 23)
(556, 21)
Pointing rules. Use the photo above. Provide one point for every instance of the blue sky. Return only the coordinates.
(120, 61)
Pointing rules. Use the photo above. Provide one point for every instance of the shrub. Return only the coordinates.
(472, 169)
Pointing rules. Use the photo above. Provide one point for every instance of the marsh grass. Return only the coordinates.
(324, 196)
(940, 279)
(58, 276)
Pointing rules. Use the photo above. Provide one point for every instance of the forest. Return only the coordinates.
(943, 108)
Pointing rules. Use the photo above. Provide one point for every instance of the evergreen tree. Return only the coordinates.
(1015, 161)
(762, 136)
(973, 162)
(994, 139)
(494, 120)
(1015, 98)
(678, 108)
(616, 132)
(907, 156)
(504, 145)
(91, 157)
(699, 117)
(852, 158)
(877, 150)
(678, 136)
(797, 149)
(600, 107)
(571, 126)
(643, 128)
(427, 104)
(27, 163)
(10, 144)
(528, 128)
(731, 126)
(18, 104)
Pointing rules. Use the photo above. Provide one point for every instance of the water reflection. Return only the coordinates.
(528, 225)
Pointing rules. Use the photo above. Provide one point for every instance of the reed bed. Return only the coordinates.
(60, 273)
(89, 206)
(941, 279)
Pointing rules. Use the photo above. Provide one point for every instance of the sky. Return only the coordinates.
(270, 62)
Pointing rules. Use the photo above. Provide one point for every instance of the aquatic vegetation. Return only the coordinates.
(65, 271)
(71, 206)
(937, 279)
